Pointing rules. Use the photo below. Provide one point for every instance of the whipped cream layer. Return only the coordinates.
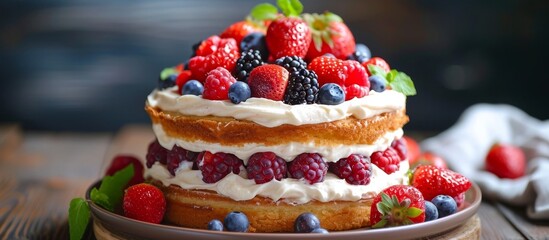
(287, 151)
(271, 113)
(239, 188)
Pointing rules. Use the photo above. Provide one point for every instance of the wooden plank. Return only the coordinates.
(531, 229)
(494, 224)
(10, 140)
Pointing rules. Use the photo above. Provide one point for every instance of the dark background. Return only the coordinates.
(69, 65)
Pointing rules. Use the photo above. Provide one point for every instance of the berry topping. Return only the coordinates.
(433, 181)
(397, 205)
(239, 30)
(216, 166)
(120, 162)
(506, 161)
(361, 54)
(246, 63)
(182, 78)
(212, 53)
(308, 166)
(388, 160)
(178, 155)
(292, 63)
(239, 92)
(445, 205)
(330, 35)
(348, 74)
(306, 223)
(399, 145)
(377, 83)
(215, 225)
(266, 166)
(331, 94)
(216, 86)
(431, 212)
(288, 36)
(236, 222)
(302, 88)
(255, 41)
(144, 202)
(356, 83)
(269, 81)
(156, 153)
(376, 61)
(167, 78)
(355, 169)
(192, 87)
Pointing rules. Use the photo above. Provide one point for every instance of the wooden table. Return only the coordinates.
(40, 172)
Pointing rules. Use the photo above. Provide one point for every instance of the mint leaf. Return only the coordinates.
(109, 195)
(79, 217)
(264, 11)
(403, 83)
(290, 7)
(166, 72)
(377, 70)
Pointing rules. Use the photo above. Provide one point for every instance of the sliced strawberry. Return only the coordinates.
(288, 36)
(432, 181)
(397, 205)
(269, 81)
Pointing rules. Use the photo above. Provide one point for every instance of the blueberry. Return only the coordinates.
(431, 212)
(167, 82)
(306, 223)
(255, 40)
(445, 204)
(192, 87)
(237, 222)
(377, 83)
(331, 94)
(239, 92)
(215, 225)
(365, 51)
(320, 230)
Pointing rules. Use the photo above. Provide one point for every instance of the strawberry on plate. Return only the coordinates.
(144, 202)
(432, 181)
(347, 73)
(397, 205)
(239, 30)
(330, 35)
(269, 81)
(506, 161)
(212, 53)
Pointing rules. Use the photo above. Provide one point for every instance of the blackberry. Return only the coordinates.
(246, 63)
(292, 63)
(302, 87)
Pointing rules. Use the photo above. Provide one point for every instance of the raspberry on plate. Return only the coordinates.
(144, 202)
(308, 166)
(266, 166)
(388, 160)
(216, 166)
(397, 205)
(217, 84)
(355, 169)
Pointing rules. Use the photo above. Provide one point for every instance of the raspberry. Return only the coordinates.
(178, 155)
(120, 162)
(156, 153)
(246, 63)
(144, 202)
(400, 147)
(214, 167)
(302, 87)
(266, 166)
(309, 166)
(387, 160)
(355, 169)
(212, 53)
(292, 63)
(217, 84)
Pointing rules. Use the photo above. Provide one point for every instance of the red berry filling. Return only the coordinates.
(355, 169)
(156, 153)
(400, 147)
(216, 166)
(178, 155)
(308, 166)
(387, 160)
(266, 166)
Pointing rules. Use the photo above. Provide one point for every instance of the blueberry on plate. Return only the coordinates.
(192, 87)
(431, 212)
(239, 92)
(215, 225)
(236, 222)
(306, 223)
(445, 204)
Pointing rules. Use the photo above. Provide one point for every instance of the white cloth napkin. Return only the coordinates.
(465, 145)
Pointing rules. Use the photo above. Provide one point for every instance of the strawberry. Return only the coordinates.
(397, 205)
(120, 162)
(428, 158)
(330, 35)
(288, 36)
(239, 30)
(432, 181)
(349, 74)
(212, 53)
(269, 81)
(377, 61)
(506, 161)
(144, 202)
(413, 148)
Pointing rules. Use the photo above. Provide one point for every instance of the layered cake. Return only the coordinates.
(278, 115)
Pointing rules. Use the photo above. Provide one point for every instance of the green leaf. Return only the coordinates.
(403, 83)
(166, 72)
(394, 201)
(385, 197)
(290, 7)
(391, 75)
(79, 217)
(264, 11)
(380, 224)
(332, 17)
(414, 212)
(377, 70)
(109, 195)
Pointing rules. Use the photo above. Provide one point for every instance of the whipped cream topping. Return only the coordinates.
(239, 188)
(287, 151)
(271, 113)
